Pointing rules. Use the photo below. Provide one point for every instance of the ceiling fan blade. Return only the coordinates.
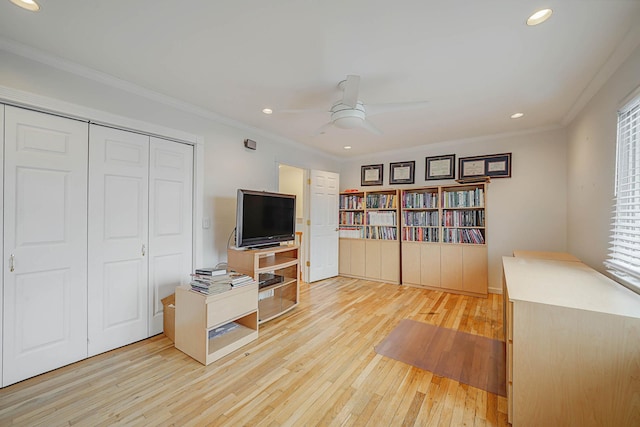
(351, 86)
(322, 129)
(371, 128)
(304, 110)
(393, 107)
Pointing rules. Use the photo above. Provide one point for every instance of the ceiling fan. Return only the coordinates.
(351, 113)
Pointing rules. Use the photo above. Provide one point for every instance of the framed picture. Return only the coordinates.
(371, 175)
(402, 172)
(493, 165)
(440, 167)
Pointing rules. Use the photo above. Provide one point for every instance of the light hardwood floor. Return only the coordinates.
(314, 366)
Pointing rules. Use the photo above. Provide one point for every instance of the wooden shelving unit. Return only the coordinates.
(369, 242)
(443, 238)
(209, 327)
(278, 298)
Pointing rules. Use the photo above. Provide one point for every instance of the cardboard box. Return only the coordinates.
(169, 308)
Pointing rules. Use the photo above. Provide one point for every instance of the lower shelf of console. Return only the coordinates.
(210, 327)
(278, 299)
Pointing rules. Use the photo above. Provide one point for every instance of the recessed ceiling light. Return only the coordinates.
(347, 147)
(267, 110)
(539, 17)
(517, 115)
(27, 4)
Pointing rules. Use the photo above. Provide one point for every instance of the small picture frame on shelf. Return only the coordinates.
(402, 172)
(440, 167)
(491, 166)
(371, 175)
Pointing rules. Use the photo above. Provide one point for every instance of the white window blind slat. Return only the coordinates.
(624, 250)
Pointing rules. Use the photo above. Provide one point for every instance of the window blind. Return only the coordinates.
(624, 252)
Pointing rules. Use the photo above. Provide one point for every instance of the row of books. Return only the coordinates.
(381, 233)
(381, 218)
(350, 201)
(420, 234)
(381, 201)
(463, 219)
(356, 218)
(420, 200)
(420, 218)
(351, 232)
(463, 235)
(215, 281)
(463, 199)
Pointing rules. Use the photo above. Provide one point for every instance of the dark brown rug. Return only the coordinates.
(466, 358)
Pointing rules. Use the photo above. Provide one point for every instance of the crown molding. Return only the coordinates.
(620, 54)
(114, 82)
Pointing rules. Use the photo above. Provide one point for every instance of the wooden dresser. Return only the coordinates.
(573, 345)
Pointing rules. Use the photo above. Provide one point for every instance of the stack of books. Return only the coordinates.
(218, 282)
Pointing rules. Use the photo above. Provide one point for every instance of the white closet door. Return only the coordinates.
(170, 223)
(45, 241)
(118, 238)
(1, 228)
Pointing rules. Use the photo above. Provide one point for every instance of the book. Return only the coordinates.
(211, 271)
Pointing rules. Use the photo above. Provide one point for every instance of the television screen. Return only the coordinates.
(264, 218)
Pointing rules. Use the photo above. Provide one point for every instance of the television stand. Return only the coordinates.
(278, 297)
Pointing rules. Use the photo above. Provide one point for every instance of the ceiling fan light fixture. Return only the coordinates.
(539, 17)
(348, 122)
(29, 5)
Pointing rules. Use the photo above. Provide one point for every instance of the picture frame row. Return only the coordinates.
(438, 168)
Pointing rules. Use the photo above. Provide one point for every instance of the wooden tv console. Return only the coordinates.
(277, 298)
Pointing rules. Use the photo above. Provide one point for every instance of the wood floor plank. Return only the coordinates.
(316, 365)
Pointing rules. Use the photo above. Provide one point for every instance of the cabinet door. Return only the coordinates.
(118, 238)
(411, 263)
(357, 261)
(430, 265)
(372, 259)
(474, 269)
(451, 266)
(45, 238)
(170, 223)
(344, 257)
(390, 261)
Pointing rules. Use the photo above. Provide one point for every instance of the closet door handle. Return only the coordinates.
(12, 259)
(144, 250)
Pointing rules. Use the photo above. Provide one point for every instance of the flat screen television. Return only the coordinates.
(264, 219)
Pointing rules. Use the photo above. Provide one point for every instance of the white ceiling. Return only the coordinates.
(476, 62)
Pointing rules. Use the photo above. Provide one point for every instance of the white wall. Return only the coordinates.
(227, 164)
(591, 165)
(526, 211)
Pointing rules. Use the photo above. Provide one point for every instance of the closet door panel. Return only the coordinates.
(118, 238)
(1, 234)
(170, 223)
(45, 237)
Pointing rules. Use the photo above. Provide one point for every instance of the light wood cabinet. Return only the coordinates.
(572, 345)
(209, 327)
(276, 298)
(369, 245)
(443, 238)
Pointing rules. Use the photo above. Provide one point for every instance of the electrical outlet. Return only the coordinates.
(206, 222)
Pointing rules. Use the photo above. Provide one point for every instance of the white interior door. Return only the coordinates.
(1, 230)
(118, 238)
(45, 241)
(170, 223)
(323, 229)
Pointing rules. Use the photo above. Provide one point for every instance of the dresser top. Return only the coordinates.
(567, 284)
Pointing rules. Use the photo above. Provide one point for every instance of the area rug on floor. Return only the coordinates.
(466, 358)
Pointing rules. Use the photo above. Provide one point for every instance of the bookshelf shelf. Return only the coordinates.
(369, 235)
(443, 235)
